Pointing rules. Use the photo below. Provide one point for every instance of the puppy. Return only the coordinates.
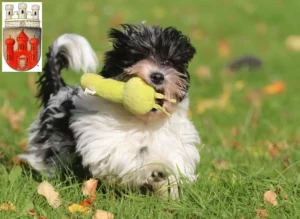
(89, 134)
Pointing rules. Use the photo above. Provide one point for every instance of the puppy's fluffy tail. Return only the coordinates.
(68, 50)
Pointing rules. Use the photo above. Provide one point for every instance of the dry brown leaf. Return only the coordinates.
(16, 160)
(276, 87)
(293, 43)
(233, 144)
(48, 191)
(275, 148)
(220, 164)
(14, 118)
(117, 19)
(31, 83)
(100, 214)
(261, 213)
(206, 104)
(255, 98)
(89, 188)
(286, 162)
(224, 48)
(86, 202)
(219, 103)
(79, 208)
(270, 197)
(234, 131)
(197, 34)
(261, 28)
(32, 212)
(7, 206)
(203, 72)
(274, 152)
(283, 193)
(23, 144)
(239, 85)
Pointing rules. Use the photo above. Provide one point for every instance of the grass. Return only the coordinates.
(233, 190)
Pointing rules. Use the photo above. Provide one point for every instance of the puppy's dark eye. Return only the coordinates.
(166, 63)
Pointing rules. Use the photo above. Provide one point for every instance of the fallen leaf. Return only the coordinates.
(270, 197)
(79, 208)
(48, 191)
(32, 212)
(203, 72)
(14, 118)
(283, 193)
(7, 206)
(261, 28)
(197, 34)
(233, 144)
(17, 161)
(276, 87)
(286, 162)
(23, 144)
(103, 215)
(220, 164)
(261, 213)
(224, 48)
(86, 202)
(89, 188)
(117, 19)
(31, 83)
(206, 104)
(274, 152)
(255, 98)
(275, 148)
(293, 43)
(234, 131)
(239, 85)
(220, 103)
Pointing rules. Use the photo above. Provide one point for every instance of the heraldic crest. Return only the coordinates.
(22, 37)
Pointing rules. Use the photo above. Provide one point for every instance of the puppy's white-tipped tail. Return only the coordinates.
(77, 50)
(68, 50)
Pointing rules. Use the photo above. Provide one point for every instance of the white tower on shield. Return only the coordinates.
(35, 11)
(22, 10)
(9, 11)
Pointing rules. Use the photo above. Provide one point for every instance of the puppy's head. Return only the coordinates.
(159, 56)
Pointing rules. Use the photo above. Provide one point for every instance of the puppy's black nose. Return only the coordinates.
(157, 78)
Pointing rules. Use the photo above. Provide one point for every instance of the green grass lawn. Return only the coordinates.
(247, 148)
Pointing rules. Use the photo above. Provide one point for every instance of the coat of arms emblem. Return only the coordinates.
(21, 42)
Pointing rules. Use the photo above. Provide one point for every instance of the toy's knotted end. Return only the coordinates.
(156, 106)
(89, 91)
(161, 96)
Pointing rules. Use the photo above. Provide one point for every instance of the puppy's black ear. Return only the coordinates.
(117, 37)
(190, 51)
(178, 45)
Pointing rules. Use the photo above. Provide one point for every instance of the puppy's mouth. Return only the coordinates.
(159, 102)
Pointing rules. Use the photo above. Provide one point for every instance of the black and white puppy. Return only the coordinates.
(116, 146)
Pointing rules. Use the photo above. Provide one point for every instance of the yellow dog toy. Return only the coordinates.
(136, 96)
